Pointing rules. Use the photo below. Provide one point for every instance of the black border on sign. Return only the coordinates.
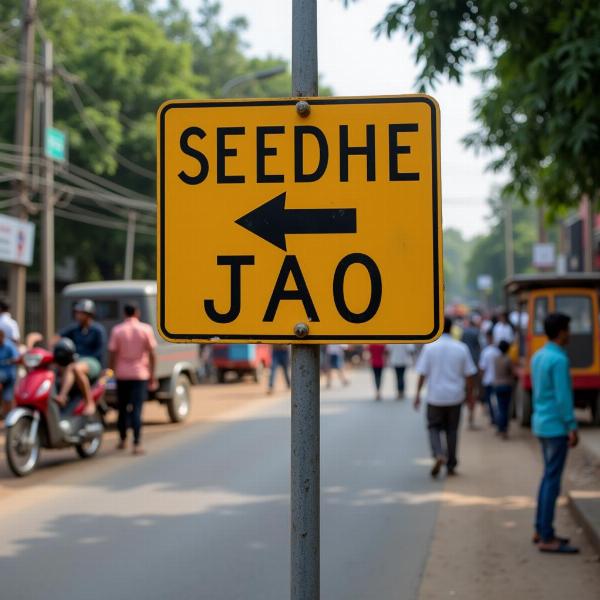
(288, 102)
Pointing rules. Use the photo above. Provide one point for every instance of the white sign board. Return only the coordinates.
(485, 283)
(16, 241)
(544, 256)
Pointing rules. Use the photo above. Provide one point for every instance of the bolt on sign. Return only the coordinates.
(279, 226)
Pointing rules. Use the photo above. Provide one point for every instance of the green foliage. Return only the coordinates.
(487, 252)
(456, 253)
(126, 58)
(540, 111)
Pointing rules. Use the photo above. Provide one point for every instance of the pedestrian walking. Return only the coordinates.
(504, 378)
(8, 371)
(487, 362)
(400, 357)
(448, 368)
(470, 337)
(10, 327)
(280, 357)
(554, 425)
(503, 329)
(132, 356)
(335, 362)
(377, 355)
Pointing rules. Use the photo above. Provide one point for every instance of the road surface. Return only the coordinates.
(205, 514)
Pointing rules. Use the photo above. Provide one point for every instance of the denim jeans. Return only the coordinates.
(554, 452)
(488, 392)
(400, 378)
(280, 358)
(503, 397)
(131, 394)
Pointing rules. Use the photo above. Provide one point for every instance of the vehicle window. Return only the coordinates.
(540, 310)
(579, 308)
(522, 328)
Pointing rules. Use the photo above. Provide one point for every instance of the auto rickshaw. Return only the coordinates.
(534, 297)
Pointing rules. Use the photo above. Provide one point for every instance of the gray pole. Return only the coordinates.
(18, 273)
(47, 254)
(508, 238)
(130, 246)
(305, 463)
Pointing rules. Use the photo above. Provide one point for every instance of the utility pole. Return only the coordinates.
(130, 245)
(588, 236)
(18, 273)
(508, 239)
(305, 421)
(47, 253)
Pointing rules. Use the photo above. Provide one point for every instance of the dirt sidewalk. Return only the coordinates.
(482, 542)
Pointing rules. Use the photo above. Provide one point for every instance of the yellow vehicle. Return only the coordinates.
(534, 296)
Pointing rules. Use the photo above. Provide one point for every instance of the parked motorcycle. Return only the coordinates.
(38, 421)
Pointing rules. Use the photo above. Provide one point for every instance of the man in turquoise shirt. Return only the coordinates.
(554, 424)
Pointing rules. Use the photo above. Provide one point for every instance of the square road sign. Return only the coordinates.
(269, 221)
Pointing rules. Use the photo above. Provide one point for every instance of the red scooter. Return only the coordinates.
(39, 421)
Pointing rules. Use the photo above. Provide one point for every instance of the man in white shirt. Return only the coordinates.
(503, 330)
(8, 324)
(400, 357)
(486, 366)
(449, 370)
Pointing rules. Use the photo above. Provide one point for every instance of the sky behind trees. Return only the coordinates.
(353, 62)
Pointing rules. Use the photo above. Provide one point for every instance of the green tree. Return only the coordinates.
(540, 111)
(116, 62)
(456, 254)
(487, 252)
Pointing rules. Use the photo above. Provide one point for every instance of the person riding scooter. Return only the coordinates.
(89, 338)
(73, 371)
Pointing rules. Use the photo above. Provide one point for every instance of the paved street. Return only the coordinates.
(205, 513)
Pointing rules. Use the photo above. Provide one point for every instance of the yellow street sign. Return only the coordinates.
(268, 220)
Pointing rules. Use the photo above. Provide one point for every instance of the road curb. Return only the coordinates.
(581, 512)
(584, 502)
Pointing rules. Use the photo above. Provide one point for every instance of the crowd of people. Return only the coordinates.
(472, 361)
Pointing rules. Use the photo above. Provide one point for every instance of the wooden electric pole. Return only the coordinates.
(18, 273)
(47, 220)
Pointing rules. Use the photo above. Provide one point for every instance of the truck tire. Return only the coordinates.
(221, 375)
(178, 405)
(523, 405)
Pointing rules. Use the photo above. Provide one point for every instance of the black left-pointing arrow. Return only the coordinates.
(272, 221)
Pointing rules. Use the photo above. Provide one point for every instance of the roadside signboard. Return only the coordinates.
(16, 241)
(544, 255)
(269, 219)
(55, 144)
(485, 283)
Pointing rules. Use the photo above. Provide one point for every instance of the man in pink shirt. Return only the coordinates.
(132, 357)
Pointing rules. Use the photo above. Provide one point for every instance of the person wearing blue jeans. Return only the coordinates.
(503, 384)
(555, 426)
(279, 358)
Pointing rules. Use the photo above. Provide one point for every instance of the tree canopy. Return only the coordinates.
(540, 109)
(115, 63)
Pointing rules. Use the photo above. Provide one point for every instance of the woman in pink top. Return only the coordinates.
(132, 357)
(377, 357)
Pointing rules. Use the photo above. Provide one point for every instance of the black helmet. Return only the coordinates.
(64, 352)
(85, 305)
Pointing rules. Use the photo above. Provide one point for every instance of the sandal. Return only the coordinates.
(558, 549)
(537, 539)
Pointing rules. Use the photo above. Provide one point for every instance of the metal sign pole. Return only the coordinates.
(305, 426)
